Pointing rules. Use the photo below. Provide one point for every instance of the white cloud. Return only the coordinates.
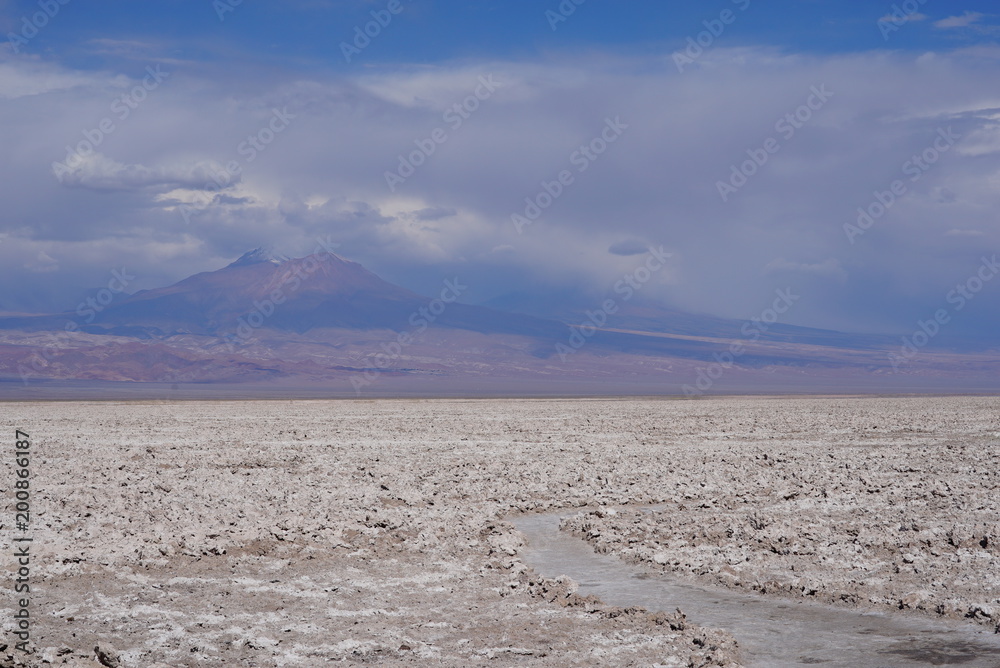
(964, 21)
(42, 263)
(99, 172)
(982, 141)
(24, 77)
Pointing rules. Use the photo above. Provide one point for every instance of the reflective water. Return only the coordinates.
(771, 632)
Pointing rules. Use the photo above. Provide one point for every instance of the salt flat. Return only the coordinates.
(272, 533)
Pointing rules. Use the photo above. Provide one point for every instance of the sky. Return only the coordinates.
(848, 151)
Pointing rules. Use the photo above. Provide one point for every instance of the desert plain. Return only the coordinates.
(309, 533)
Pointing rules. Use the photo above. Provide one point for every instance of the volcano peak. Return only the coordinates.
(258, 256)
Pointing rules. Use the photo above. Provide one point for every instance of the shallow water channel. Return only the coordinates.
(771, 632)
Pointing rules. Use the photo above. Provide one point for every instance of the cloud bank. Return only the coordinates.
(198, 173)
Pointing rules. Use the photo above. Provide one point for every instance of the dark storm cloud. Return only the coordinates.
(629, 247)
(434, 213)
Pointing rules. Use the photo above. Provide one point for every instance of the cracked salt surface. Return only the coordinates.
(771, 632)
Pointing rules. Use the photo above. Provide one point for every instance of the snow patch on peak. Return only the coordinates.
(258, 256)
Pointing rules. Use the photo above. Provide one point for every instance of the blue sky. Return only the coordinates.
(308, 33)
(156, 190)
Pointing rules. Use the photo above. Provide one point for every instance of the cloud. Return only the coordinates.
(120, 47)
(431, 88)
(903, 18)
(983, 140)
(323, 175)
(137, 50)
(964, 21)
(629, 247)
(98, 172)
(828, 268)
(23, 77)
(222, 198)
(434, 213)
(42, 263)
(945, 196)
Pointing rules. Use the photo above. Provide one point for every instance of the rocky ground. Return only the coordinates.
(308, 533)
(882, 503)
(277, 533)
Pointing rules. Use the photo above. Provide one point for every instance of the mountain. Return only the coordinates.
(295, 295)
(325, 322)
(644, 315)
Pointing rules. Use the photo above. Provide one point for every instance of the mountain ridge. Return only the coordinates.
(322, 318)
